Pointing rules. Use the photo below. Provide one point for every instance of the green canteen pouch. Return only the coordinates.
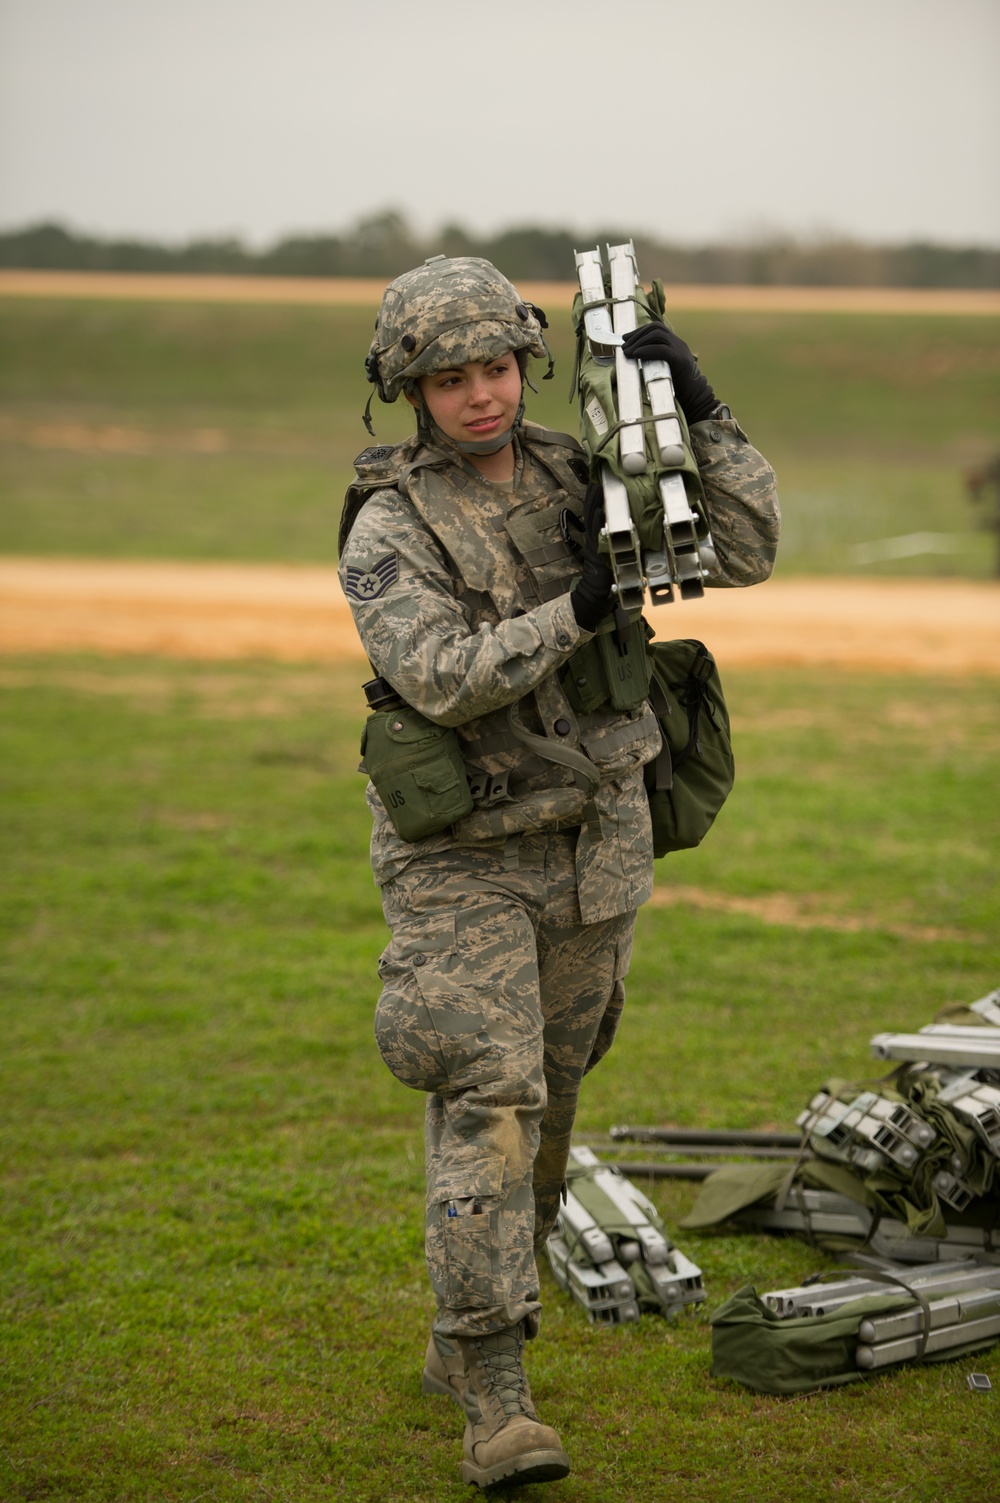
(418, 771)
(627, 673)
(692, 777)
(599, 674)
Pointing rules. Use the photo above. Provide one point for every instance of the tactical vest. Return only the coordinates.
(536, 764)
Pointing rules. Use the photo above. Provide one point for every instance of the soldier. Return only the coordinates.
(502, 984)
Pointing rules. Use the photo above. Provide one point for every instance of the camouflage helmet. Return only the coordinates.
(443, 314)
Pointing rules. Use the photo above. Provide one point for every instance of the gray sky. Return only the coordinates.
(170, 118)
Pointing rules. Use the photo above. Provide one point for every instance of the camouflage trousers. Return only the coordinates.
(496, 1000)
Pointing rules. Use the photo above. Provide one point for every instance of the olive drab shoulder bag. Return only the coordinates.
(692, 777)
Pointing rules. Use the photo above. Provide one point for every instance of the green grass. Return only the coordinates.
(210, 1255)
(869, 421)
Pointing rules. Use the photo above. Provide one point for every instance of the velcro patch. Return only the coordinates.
(369, 584)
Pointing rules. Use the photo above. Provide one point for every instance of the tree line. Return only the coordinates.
(384, 244)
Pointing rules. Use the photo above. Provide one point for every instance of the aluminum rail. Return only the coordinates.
(942, 1044)
(988, 1007)
(823, 1298)
(888, 1352)
(731, 1151)
(722, 1136)
(666, 1171)
(942, 1312)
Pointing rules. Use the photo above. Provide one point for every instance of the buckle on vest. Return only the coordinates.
(488, 788)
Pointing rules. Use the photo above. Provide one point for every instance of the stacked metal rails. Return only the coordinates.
(956, 1305)
(631, 428)
(610, 1249)
(961, 1065)
(868, 1130)
(819, 1214)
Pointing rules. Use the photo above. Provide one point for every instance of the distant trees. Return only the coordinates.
(384, 244)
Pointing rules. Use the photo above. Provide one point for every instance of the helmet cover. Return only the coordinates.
(444, 314)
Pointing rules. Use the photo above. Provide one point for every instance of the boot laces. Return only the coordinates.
(500, 1358)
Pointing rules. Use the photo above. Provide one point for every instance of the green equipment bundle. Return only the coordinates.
(825, 1333)
(657, 533)
(906, 1167)
(610, 1249)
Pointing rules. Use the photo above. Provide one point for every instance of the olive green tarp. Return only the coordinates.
(737, 1186)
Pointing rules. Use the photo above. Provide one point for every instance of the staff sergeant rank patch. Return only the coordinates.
(369, 584)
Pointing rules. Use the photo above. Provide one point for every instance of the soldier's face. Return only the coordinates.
(479, 401)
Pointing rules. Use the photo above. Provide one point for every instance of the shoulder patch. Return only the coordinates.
(369, 584)
(375, 455)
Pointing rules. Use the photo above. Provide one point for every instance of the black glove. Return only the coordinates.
(656, 342)
(592, 599)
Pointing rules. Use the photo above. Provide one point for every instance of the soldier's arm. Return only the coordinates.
(742, 498)
(417, 635)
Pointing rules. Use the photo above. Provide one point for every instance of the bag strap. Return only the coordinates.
(692, 691)
(661, 771)
(882, 1276)
(552, 751)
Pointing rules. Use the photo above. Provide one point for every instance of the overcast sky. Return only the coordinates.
(171, 118)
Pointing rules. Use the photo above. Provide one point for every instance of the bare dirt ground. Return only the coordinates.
(801, 911)
(178, 287)
(298, 614)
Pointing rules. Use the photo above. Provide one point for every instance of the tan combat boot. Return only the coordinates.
(503, 1436)
(444, 1368)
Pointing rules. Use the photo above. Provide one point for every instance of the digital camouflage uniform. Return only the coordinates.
(511, 931)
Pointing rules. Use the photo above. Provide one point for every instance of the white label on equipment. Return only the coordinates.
(597, 416)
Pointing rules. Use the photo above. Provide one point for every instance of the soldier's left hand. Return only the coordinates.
(656, 342)
(593, 598)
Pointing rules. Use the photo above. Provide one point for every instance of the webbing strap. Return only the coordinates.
(546, 553)
(552, 751)
(612, 741)
(663, 768)
(880, 1276)
(538, 435)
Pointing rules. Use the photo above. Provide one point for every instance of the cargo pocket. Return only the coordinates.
(430, 1025)
(465, 1202)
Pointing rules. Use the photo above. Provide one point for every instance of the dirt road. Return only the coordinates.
(180, 287)
(298, 614)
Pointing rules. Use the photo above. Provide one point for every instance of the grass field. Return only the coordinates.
(207, 431)
(211, 1254)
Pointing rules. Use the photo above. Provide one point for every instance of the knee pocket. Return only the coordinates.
(431, 1025)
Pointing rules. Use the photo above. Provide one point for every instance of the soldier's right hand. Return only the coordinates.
(593, 599)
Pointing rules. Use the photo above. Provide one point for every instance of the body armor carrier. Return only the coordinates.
(536, 764)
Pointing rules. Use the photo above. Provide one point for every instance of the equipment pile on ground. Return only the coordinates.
(903, 1171)
(611, 1251)
(906, 1167)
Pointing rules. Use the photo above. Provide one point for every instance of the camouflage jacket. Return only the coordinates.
(459, 590)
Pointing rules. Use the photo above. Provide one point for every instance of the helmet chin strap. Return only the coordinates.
(467, 446)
